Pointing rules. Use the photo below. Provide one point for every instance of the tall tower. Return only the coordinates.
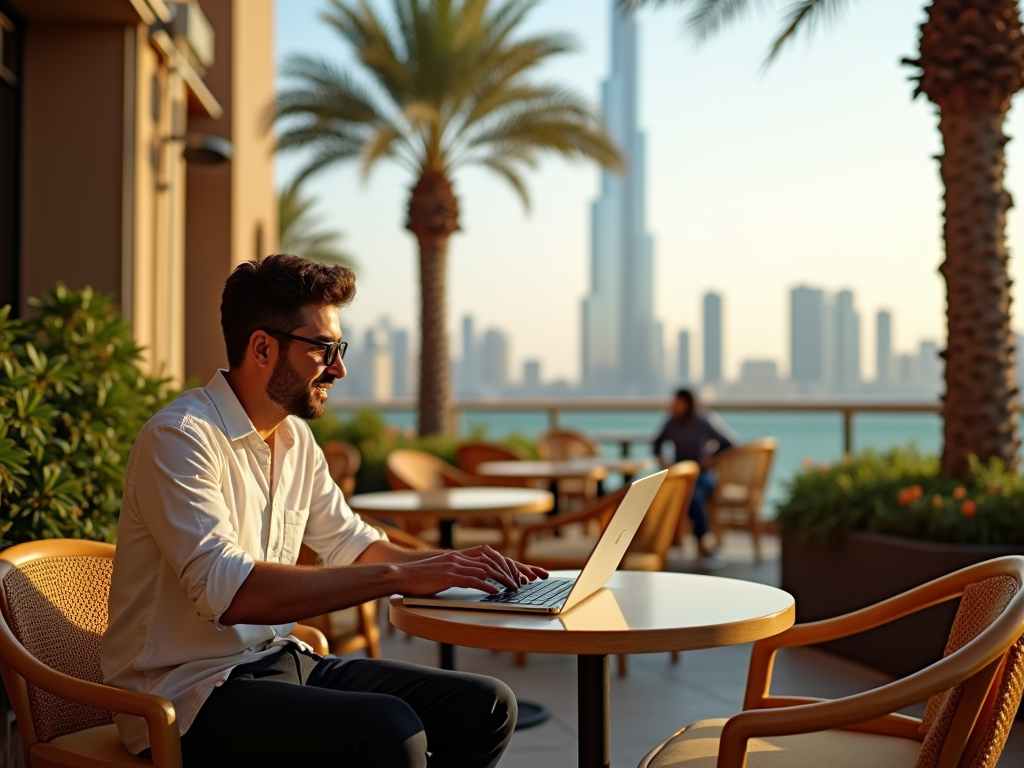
(810, 339)
(621, 341)
(712, 338)
(683, 358)
(847, 343)
(883, 348)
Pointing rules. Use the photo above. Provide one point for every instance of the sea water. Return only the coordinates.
(803, 437)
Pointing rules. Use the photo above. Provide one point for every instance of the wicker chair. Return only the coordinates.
(469, 456)
(974, 692)
(53, 596)
(739, 490)
(565, 444)
(409, 469)
(343, 461)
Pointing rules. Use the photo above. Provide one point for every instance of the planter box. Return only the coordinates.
(866, 568)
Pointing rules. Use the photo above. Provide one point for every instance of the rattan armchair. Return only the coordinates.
(53, 597)
(343, 461)
(974, 692)
(742, 476)
(563, 445)
(409, 469)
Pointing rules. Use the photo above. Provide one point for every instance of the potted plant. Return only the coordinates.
(877, 524)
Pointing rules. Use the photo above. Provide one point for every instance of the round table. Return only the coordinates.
(636, 612)
(552, 471)
(449, 504)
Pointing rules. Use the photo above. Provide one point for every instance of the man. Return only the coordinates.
(222, 488)
(697, 437)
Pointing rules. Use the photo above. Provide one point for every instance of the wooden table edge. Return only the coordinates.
(415, 622)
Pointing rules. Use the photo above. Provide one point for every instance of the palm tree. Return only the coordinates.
(971, 63)
(443, 85)
(298, 230)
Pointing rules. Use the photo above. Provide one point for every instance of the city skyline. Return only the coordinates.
(753, 186)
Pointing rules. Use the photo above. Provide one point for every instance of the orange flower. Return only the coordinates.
(806, 462)
(904, 497)
(825, 466)
(959, 492)
(993, 490)
(917, 491)
(968, 508)
(937, 501)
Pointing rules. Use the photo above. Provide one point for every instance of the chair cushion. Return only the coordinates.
(733, 493)
(697, 747)
(99, 747)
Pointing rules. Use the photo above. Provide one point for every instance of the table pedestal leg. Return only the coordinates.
(446, 538)
(594, 694)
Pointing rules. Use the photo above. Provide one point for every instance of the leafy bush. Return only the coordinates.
(900, 492)
(72, 400)
(375, 440)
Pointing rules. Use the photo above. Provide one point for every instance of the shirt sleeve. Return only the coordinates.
(336, 533)
(178, 488)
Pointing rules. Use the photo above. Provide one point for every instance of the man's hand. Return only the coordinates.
(465, 568)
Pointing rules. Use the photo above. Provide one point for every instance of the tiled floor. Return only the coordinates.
(657, 698)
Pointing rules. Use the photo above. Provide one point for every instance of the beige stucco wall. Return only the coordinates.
(72, 158)
(229, 204)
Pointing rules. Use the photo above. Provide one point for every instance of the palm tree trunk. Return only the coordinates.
(980, 407)
(433, 216)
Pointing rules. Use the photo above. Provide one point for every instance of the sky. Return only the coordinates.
(819, 171)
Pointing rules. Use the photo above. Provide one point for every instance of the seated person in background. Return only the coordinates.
(222, 487)
(698, 438)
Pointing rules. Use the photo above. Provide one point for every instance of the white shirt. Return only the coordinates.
(200, 509)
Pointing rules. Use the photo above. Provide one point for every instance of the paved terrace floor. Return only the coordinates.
(657, 698)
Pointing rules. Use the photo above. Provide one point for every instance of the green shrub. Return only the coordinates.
(900, 492)
(375, 440)
(72, 400)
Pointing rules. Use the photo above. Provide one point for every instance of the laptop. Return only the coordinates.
(555, 595)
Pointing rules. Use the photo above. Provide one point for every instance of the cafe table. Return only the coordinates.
(636, 612)
(549, 471)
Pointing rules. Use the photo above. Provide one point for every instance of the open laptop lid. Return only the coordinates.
(615, 540)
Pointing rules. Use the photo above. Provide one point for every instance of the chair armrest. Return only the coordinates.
(159, 714)
(312, 637)
(949, 587)
(590, 511)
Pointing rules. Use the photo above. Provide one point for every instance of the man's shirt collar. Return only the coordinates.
(237, 423)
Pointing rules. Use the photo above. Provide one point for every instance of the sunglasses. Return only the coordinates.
(332, 349)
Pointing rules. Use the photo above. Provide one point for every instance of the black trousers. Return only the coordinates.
(294, 708)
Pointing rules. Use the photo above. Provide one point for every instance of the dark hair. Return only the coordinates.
(691, 401)
(273, 292)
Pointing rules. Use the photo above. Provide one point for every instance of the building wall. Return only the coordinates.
(232, 211)
(72, 157)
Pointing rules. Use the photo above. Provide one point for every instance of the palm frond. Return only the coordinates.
(508, 172)
(383, 142)
(299, 232)
(804, 15)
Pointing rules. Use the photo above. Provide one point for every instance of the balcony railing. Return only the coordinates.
(554, 408)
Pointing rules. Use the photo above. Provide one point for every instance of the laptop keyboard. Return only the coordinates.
(541, 592)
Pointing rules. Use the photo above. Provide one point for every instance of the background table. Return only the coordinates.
(450, 504)
(624, 438)
(637, 612)
(552, 471)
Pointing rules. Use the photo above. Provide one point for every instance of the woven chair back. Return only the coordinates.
(410, 469)
(565, 444)
(57, 608)
(743, 473)
(343, 460)
(471, 455)
(659, 524)
(982, 603)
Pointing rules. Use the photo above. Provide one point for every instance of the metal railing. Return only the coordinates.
(555, 407)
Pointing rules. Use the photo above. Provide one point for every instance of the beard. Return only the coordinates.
(295, 394)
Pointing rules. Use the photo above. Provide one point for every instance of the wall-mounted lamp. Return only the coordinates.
(204, 149)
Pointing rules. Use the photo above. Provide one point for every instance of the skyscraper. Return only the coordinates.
(493, 362)
(883, 349)
(400, 361)
(809, 322)
(620, 337)
(468, 369)
(683, 358)
(712, 338)
(847, 343)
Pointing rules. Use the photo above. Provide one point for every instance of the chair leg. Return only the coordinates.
(520, 659)
(622, 664)
(755, 532)
(675, 657)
